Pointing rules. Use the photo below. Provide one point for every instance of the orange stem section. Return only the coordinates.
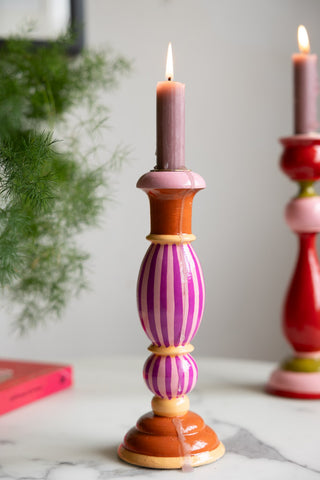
(171, 211)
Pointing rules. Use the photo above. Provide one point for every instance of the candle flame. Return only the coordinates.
(169, 67)
(303, 39)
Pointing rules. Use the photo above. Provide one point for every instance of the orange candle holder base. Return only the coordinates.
(171, 442)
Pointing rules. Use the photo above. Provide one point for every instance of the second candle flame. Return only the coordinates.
(303, 39)
(169, 66)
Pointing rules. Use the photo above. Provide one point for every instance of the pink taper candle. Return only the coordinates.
(305, 86)
(170, 121)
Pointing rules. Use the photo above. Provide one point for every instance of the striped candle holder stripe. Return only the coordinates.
(170, 294)
(170, 376)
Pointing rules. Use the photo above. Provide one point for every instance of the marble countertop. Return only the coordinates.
(74, 434)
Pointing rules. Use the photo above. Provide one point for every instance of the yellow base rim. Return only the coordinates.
(170, 462)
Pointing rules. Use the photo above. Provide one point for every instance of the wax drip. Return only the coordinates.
(185, 447)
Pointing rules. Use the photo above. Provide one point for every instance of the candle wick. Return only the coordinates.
(169, 79)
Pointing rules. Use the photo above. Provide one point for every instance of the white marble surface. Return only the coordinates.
(73, 435)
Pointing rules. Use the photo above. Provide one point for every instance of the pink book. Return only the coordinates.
(26, 382)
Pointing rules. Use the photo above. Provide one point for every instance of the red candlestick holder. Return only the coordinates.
(299, 376)
(170, 297)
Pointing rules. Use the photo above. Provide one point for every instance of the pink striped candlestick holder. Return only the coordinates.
(299, 376)
(170, 297)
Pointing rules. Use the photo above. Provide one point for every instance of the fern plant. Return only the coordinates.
(49, 191)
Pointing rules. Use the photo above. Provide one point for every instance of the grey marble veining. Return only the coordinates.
(246, 444)
(74, 435)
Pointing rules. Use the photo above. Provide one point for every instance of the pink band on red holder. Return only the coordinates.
(303, 214)
(298, 382)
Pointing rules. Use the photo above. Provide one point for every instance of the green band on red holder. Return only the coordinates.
(307, 365)
(307, 189)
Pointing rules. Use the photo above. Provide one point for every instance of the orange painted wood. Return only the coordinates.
(171, 211)
(157, 436)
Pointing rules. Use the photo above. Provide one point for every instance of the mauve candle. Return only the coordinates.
(305, 86)
(170, 121)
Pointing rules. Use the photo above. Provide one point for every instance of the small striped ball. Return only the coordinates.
(170, 376)
(170, 294)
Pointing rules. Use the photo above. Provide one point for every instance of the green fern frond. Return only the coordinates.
(48, 190)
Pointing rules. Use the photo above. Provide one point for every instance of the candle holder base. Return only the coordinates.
(299, 376)
(170, 297)
(296, 378)
(170, 442)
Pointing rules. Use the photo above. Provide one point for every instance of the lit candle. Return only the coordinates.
(305, 86)
(170, 121)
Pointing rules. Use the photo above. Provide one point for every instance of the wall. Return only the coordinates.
(235, 60)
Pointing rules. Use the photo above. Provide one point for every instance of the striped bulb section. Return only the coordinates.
(170, 294)
(170, 376)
